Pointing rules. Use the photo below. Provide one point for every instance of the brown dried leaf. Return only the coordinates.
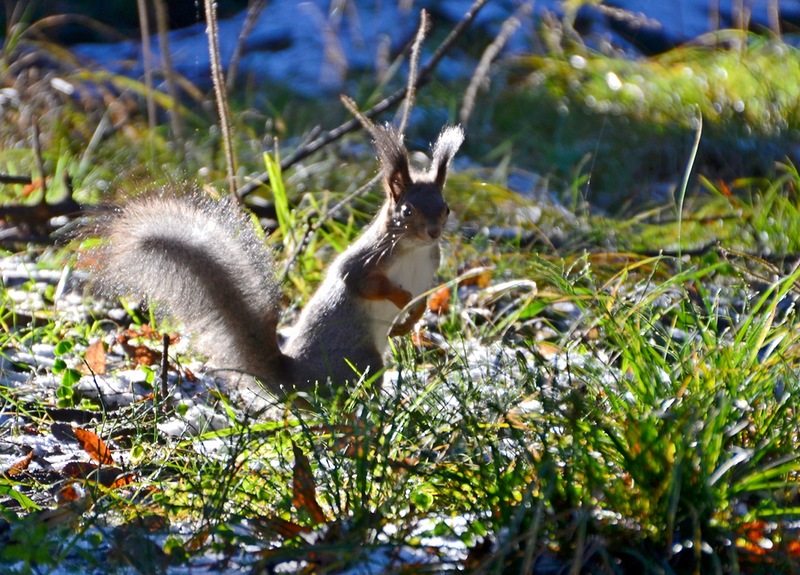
(304, 490)
(439, 302)
(20, 465)
(70, 492)
(79, 469)
(122, 480)
(104, 475)
(481, 275)
(145, 356)
(94, 446)
(272, 526)
(96, 357)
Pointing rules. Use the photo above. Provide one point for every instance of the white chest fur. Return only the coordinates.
(413, 270)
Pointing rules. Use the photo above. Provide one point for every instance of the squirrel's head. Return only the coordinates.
(417, 208)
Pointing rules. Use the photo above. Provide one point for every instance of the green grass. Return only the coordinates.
(592, 403)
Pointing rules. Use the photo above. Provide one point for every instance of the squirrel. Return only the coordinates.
(202, 263)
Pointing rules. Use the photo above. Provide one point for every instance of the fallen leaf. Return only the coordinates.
(20, 465)
(272, 526)
(439, 302)
(70, 492)
(79, 469)
(96, 357)
(35, 185)
(475, 274)
(94, 446)
(104, 475)
(304, 490)
(122, 480)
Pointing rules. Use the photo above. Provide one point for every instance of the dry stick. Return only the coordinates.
(212, 32)
(165, 367)
(144, 24)
(380, 107)
(482, 69)
(19, 180)
(254, 10)
(162, 25)
(413, 66)
(775, 270)
(37, 151)
(352, 107)
(774, 17)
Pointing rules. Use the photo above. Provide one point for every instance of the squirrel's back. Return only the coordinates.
(200, 261)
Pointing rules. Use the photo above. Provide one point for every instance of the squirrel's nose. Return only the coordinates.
(434, 232)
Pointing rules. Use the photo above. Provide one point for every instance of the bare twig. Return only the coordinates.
(353, 124)
(482, 70)
(162, 26)
(19, 180)
(352, 107)
(37, 151)
(165, 367)
(212, 32)
(254, 10)
(144, 24)
(413, 66)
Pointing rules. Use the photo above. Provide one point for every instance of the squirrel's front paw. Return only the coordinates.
(405, 326)
(377, 286)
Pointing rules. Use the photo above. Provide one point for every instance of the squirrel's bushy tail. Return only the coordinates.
(201, 262)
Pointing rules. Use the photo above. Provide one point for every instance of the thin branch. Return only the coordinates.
(144, 24)
(37, 151)
(352, 107)
(212, 31)
(353, 124)
(254, 10)
(165, 368)
(413, 66)
(162, 26)
(482, 69)
(19, 180)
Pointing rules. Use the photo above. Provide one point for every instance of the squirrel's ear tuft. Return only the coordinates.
(444, 149)
(394, 160)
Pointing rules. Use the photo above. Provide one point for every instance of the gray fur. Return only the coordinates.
(202, 263)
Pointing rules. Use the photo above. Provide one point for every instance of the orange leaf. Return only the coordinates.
(79, 469)
(94, 446)
(123, 480)
(480, 278)
(28, 189)
(277, 525)
(304, 490)
(145, 356)
(197, 540)
(20, 465)
(107, 476)
(70, 492)
(96, 357)
(794, 549)
(439, 302)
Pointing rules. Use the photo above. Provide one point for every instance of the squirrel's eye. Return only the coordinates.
(406, 211)
(447, 210)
